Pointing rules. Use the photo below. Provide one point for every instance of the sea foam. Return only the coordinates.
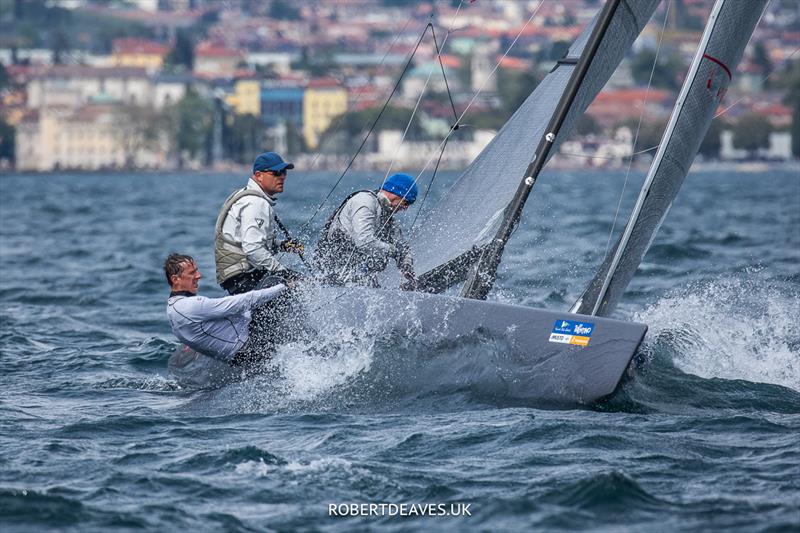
(743, 327)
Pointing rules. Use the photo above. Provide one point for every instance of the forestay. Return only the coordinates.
(726, 35)
(472, 209)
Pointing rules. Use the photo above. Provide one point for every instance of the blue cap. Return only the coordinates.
(270, 161)
(402, 185)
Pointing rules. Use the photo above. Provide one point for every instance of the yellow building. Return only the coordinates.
(323, 100)
(132, 52)
(246, 97)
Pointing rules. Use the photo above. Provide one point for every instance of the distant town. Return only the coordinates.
(89, 85)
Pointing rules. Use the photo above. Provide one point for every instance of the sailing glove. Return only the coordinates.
(292, 246)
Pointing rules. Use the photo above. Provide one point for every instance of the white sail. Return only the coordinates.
(728, 29)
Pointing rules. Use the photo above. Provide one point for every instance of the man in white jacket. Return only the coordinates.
(361, 236)
(245, 236)
(217, 327)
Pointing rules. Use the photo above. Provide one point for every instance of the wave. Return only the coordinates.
(740, 328)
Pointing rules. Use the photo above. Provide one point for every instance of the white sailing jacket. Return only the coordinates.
(251, 222)
(216, 327)
(360, 219)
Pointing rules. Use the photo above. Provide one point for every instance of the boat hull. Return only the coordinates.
(546, 367)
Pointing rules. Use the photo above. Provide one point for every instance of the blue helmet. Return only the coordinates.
(402, 185)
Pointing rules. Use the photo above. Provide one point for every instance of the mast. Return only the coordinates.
(728, 29)
(483, 274)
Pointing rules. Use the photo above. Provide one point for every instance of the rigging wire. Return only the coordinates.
(408, 126)
(765, 78)
(638, 129)
(339, 121)
(609, 158)
(371, 129)
(455, 126)
(461, 116)
(463, 113)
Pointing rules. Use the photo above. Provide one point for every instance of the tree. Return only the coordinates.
(762, 60)
(188, 126)
(790, 82)
(514, 87)
(665, 74)
(347, 131)
(137, 129)
(751, 132)
(586, 125)
(181, 57)
(4, 78)
(283, 10)
(60, 46)
(243, 138)
(650, 133)
(712, 142)
(7, 141)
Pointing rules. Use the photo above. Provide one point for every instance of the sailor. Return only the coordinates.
(361, 236)
(217, 327)
(245, 239)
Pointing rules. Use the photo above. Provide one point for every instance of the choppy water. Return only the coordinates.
(94, 435)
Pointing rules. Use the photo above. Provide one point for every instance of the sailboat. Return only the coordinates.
(578, 355)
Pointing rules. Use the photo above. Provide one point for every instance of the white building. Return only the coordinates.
(78, 85)
(86, 138)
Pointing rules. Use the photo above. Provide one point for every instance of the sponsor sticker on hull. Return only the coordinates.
(572, 332)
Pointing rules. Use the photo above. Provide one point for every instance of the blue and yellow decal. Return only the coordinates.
(572, 332)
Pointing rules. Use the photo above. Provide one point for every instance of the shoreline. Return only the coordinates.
(704, 166)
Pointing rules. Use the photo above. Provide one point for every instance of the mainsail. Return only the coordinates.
(729, 28)
(470, 212)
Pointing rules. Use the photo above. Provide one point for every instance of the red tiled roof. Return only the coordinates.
(131, 45)
(514, 63)
(632, 96)
(451, 61)
(211, 50)
(323, 83)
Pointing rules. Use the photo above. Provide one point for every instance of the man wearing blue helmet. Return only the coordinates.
(361, 236)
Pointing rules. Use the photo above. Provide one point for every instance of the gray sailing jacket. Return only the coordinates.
(359, 239)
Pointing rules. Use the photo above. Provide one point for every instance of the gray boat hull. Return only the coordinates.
(546, 367)
(540, 364)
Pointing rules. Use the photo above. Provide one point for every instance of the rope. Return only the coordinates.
(455, 126)
(638, 128)
(408, 127)
(340, 119)
(372, 128)
(640, 152)
(474, 97)
(441, 65)
(765, 78)
(461, 116)
(413, 113)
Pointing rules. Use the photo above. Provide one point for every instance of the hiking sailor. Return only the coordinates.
(245, 236)
(217, 327)
(361, 236)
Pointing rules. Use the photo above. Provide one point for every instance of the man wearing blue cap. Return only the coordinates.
(361, 236)
(245, 237)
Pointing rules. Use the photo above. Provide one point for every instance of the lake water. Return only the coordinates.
(95, 435)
